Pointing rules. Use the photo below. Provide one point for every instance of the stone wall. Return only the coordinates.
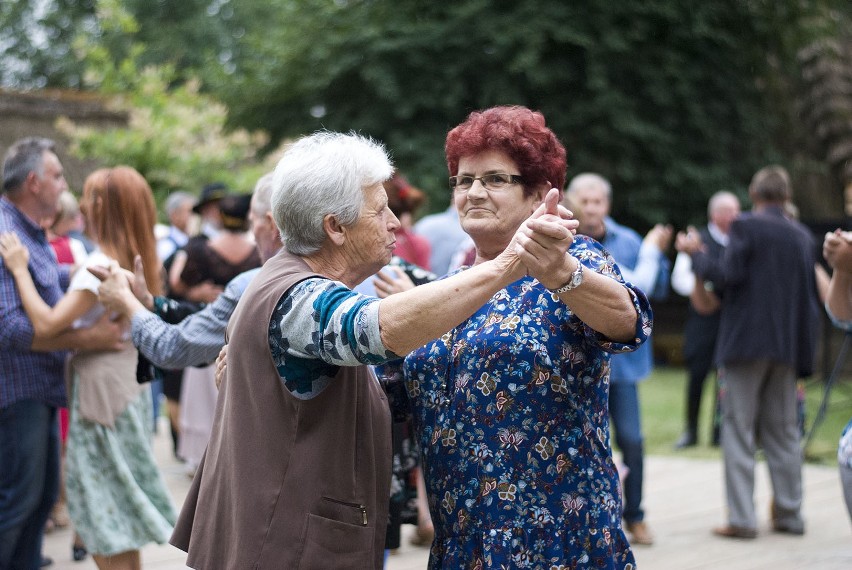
(24, 114)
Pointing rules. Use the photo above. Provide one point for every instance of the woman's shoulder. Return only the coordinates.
(83, 279)
(98, 257)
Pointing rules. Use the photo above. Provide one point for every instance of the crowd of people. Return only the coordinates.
(472, 373)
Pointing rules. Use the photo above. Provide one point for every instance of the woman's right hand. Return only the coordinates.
(15, 255)
(221, 364)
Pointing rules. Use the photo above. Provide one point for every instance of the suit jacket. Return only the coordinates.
(769, 305)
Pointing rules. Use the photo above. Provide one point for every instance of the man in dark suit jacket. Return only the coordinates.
(767, 337)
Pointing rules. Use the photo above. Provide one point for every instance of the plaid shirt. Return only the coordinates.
(25, 374)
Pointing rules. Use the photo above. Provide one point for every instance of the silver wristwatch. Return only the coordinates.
(573, 282)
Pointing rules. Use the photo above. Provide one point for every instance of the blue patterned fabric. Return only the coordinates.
(844, 450)
(510, 409)
(318, 326)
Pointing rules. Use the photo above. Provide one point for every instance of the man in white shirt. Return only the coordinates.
(179, 211)
(701, 328)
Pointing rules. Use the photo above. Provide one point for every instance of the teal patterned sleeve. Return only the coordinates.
(318, 326)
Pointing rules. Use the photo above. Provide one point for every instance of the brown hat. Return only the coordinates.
(210, 193)
(234, 209)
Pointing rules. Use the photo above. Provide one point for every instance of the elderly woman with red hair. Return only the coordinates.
(510, 406)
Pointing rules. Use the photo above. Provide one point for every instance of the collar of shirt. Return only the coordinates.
(718, 235)
(21, 221)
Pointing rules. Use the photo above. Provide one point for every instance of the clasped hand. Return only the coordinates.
(117, 283)
(837, 250)
(689, 242)
(542, 241)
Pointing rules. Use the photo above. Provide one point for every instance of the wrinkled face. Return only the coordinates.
(724, 213)
(181, 215)
(51, 184)
(492, 217)
(370, 241)
(265, 232)
(592, 203)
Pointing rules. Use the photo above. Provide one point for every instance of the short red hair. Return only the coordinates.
(519, 133)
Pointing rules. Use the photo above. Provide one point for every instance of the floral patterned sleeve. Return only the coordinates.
(318, 326)
(593, 255)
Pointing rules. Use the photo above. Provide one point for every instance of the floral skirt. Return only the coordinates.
(117, 498)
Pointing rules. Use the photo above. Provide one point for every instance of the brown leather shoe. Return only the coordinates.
(640, 533)
(731, 531)
(797, 528)
(779, 527)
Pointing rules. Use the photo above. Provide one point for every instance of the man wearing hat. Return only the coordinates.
(208, 208)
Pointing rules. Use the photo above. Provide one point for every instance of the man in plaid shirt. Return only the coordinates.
(32, 384)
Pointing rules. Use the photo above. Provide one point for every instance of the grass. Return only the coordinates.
(663, 395)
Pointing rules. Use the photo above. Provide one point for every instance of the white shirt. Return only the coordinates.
(683, 279)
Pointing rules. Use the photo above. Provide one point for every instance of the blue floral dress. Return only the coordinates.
(510, 409)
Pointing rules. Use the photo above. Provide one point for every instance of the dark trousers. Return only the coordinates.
(698, 368)
(29, 481)
(699, 346)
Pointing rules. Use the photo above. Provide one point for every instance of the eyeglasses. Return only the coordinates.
(496, 182)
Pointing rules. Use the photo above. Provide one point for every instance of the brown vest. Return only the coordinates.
(288, 483)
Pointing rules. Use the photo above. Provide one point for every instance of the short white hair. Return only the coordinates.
(321, 174)
(718, 198)
(262, 195)
(176, 200)
(590, 179)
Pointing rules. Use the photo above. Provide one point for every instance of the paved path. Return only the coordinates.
(684, 500)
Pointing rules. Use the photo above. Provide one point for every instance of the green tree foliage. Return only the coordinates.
(36, 39)
(197, 37)
(175, 135)
(670, 100)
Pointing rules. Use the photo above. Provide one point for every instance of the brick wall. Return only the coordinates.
(24, 114)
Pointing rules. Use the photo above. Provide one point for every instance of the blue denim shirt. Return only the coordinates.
(624, 244)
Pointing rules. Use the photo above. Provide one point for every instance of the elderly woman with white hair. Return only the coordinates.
(297, 471)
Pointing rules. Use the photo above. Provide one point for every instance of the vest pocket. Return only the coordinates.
(343, 511)
(331, 543)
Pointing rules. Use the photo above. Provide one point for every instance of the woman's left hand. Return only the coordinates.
(15, 255)
(387, 285)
